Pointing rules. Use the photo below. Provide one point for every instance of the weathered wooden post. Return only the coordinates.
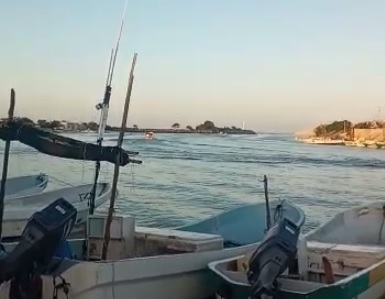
(117, 163)
(5, 161)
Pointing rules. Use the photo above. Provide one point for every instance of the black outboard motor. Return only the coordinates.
(278, 248)
(43, 234)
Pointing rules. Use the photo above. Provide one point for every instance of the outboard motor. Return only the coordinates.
(276, 251)
(44, 233)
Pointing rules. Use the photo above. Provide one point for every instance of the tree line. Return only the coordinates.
(58, 125)
(346, 126)
(207, 126)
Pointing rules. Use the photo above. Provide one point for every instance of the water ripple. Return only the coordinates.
(188, 177)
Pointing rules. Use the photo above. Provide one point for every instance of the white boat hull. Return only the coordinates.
(17, 213)
(25, 185)
(352, 242)
(13, 228)
(172, 263)
(323, 141)
(182, 276)
(166, 277)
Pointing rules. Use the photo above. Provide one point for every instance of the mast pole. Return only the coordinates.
(106, 240)
(5, 161)
(104, 107)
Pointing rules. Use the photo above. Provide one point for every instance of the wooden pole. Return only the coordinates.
(117, 163)
(268, 217)
(5, 162)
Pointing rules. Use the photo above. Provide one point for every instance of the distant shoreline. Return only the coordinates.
(208, 127)
(185, 131)
(169, 131)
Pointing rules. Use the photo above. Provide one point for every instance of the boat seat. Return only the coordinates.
(178, 240)
(345, 259)
(243, 262)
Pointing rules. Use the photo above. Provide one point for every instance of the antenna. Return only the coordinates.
(104, 107)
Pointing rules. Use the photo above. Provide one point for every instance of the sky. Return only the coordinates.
(276, 65)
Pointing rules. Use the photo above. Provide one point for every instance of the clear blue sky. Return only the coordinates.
(278, 65)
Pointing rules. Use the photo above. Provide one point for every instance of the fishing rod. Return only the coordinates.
(107, 231)
(104, 107)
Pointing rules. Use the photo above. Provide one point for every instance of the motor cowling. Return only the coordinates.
(272, 257)
(44, 233)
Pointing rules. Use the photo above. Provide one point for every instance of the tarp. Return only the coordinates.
(55, 145)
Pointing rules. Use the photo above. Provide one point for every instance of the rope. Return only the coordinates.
(278, 213)
(113, 280)
(64, 285)
(61, 182)
(82, 179)
(117, 207)
(84, 159)
(382, 225)
(133, 178)
(18, 160)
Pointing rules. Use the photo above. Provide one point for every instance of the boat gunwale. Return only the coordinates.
(355, 284)
(300, 221)
(36, 188)
(18, 210)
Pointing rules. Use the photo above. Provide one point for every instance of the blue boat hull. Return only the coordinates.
(246, 224)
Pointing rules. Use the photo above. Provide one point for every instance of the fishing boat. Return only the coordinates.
(164, 263)
(17, 214)
(149, 135)
(161, 263)
(324, 141)
(342, 259)
(245, 224)
(370, 144)
(355, 143)
(380, 144)
(25, 185)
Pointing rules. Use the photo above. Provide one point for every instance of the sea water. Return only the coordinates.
(185, 177)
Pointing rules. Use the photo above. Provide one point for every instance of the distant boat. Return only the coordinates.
(323, 141)
(355, 143)
(222, 133)
(149, 135)
(370, 144)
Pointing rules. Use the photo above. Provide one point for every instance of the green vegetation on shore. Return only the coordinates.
(343, 128)
(208, 127)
